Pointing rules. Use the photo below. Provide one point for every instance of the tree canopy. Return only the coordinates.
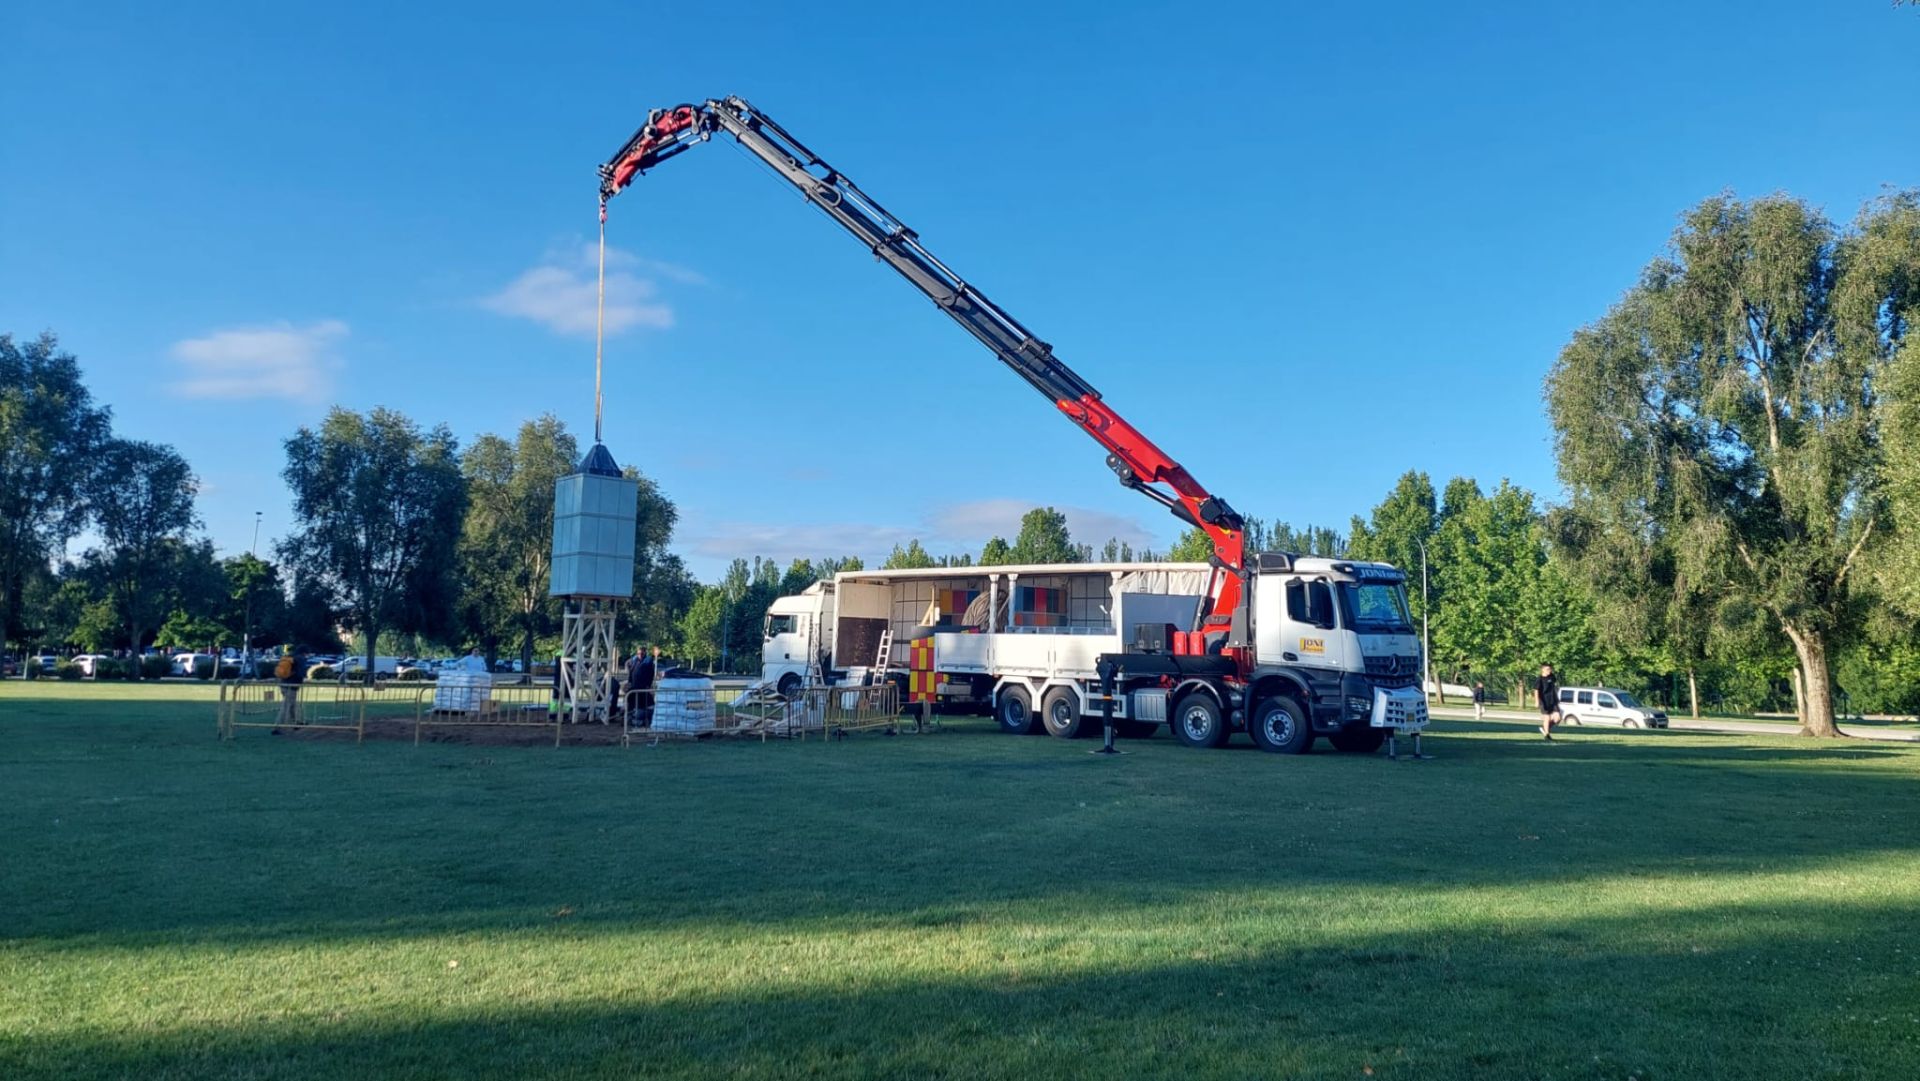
(49, 432)
(378, 509)
(140, 500)
(1043, 538)
(1723, 414)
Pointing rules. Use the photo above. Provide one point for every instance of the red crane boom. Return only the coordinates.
(1133, 457)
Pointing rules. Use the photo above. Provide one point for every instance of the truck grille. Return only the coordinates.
(1392, 671)
(1390, 666)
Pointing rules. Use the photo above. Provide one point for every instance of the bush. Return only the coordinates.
(66, 670)
(322, 671)
(109, 668)
(229, 671)
(411, 675)
(31, 670)
(264, 669)
(154, 667)
(203, 668)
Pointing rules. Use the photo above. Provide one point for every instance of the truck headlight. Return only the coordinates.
(1357, 705)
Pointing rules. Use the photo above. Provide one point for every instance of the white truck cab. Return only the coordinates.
(1335, 651)
(797, 631)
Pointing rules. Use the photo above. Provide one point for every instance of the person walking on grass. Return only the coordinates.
(1479, 700)
(1549, 697)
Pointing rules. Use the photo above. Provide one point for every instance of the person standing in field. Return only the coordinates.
(640, 672)
(290, 671)
(1548, 694)
(1479, 700)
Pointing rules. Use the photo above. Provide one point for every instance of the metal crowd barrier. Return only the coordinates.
(318, 706)
(503, 705)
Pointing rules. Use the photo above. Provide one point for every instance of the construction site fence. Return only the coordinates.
(319, 706)
(505, 705)
(697, 713)
(647, 715)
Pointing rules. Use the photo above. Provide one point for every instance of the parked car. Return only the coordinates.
(183, 663)
(47, 662)
(1607, 705)
(89, 663)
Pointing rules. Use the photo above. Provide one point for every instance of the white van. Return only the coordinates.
(182, 663)
(1607, 705)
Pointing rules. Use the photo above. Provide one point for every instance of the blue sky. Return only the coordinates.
(1304, 247)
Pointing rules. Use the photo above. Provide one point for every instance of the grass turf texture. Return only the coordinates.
(958, 905)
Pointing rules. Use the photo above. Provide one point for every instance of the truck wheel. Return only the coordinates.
(1015, 712)
(1060, 712)
(1135, 729)
(1280, 726)
(789, 685)
(1197, 721)
(1357, 739)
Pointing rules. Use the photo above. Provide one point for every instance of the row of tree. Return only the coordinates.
(400, 535)
(1739, 437)
(63, 470)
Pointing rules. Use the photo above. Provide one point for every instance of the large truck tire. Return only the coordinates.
(789, 685)
(1014, 711)
(1197, 721)
(1060, 713)
(1358, 739)
(1280, 727)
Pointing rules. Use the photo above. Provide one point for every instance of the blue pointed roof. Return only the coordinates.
(599, 462)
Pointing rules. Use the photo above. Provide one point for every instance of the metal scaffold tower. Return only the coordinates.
(588, 658)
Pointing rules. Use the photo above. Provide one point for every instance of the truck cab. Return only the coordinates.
(797, 628)
(1336, 653)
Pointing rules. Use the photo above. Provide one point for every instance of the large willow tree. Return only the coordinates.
(1722, 418)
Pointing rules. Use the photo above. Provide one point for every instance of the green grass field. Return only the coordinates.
(958, 905)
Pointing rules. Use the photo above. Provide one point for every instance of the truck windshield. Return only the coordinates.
(779, 625)
(1375, 606)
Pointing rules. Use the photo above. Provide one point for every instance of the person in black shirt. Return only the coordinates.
(1549, 696)
(640, 671)
(1479, 700)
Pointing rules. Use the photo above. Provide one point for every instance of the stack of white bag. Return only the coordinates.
(462, 692)
(683, 704)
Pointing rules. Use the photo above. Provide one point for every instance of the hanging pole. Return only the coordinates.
(599, 320)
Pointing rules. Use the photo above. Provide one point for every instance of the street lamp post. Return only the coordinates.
(246, 633)
(1426, 640)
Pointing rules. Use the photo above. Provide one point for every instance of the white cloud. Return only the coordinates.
(278, 360)
(559, 292)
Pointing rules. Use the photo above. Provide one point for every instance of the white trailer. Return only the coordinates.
(1049, 617)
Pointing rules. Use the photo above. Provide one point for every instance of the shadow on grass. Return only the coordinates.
(1726, 992)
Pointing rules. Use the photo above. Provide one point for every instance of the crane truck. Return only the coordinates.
(1288, 648)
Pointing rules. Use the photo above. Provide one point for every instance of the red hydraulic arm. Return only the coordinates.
(1133, 457)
